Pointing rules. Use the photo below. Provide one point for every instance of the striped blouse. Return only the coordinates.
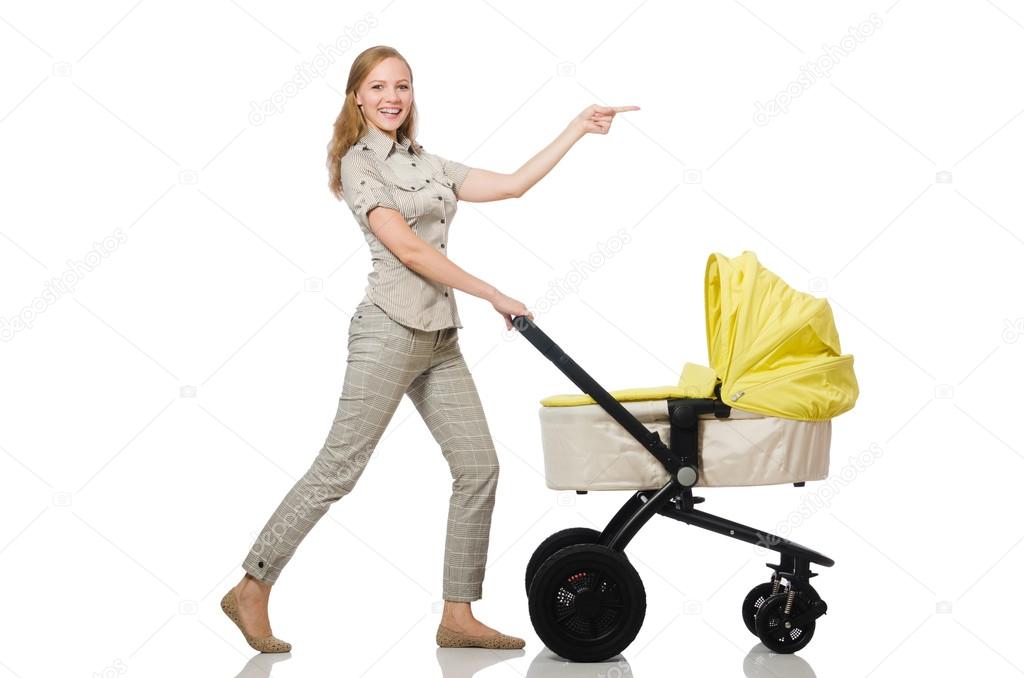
(376, 171)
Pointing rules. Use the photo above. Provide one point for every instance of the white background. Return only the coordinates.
(156, 411)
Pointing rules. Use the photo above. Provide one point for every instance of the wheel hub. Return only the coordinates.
(587, 603)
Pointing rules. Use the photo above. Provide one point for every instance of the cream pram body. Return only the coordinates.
(585, 449)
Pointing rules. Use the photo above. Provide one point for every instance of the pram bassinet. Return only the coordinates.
(774, 350)
(585, 449)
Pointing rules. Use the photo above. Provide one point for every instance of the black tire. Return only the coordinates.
(559, 540)
(760, 593)
(772, 631)
(587, 603)
(753, 602)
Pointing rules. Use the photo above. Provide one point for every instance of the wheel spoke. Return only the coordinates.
(786, 636)
(612, 603)
(562, 615)
(782, 635)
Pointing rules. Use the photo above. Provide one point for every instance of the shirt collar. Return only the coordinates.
(381, 144)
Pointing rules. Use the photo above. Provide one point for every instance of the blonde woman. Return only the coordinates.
(403, 340)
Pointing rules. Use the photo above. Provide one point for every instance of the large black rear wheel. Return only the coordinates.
(587, 602)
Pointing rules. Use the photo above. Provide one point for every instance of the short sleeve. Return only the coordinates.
(457, 171)
(362, 185)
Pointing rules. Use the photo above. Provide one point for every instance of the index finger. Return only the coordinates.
(619, 109)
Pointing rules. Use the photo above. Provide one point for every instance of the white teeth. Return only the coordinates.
(390, 110)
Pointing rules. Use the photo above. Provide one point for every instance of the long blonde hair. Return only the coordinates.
(350, 124)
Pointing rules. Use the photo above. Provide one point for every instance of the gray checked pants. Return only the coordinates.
(385, 361)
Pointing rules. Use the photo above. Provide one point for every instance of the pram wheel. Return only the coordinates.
(774, 629)
(760, 593)
(559, 540)
(587, 602)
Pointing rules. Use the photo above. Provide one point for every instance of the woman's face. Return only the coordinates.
(385, 90)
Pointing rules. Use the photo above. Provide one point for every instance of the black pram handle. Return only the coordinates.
(648, 438)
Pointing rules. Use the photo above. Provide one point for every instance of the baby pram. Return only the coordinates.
(759, 415)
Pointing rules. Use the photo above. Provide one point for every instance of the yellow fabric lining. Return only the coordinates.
(696, 381)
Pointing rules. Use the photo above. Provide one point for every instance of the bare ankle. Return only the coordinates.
(250, 585)
(456, 612)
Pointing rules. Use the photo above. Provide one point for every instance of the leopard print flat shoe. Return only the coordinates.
(448, 638)
(229, 603)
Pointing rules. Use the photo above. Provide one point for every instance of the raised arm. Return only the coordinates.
(483, 185)
(394, 232)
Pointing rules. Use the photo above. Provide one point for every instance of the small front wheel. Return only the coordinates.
(760, 593)
(775, 629)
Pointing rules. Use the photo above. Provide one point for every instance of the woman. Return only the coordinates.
(403, 339)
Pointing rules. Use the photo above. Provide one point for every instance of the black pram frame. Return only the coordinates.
(586, 600)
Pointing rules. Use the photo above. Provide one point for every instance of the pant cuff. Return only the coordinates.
(464, 596)
(259, 567)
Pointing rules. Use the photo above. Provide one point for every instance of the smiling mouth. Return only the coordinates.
(390, 112)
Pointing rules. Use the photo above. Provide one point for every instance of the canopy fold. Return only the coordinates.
(775, 350)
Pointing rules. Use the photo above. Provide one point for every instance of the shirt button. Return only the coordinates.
(428, 181)
(442, 245)
(446, 294)
(363, 181)
(414, 164)
(439, 197)
(442, 221)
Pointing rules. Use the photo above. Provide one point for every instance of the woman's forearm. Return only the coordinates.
(431, 264)
(537, 167)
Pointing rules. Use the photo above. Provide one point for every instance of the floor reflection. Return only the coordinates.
(547, 664)
(761, 662)
(464, 662)
(261, 664)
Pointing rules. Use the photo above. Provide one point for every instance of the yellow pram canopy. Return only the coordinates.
(775, 350)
